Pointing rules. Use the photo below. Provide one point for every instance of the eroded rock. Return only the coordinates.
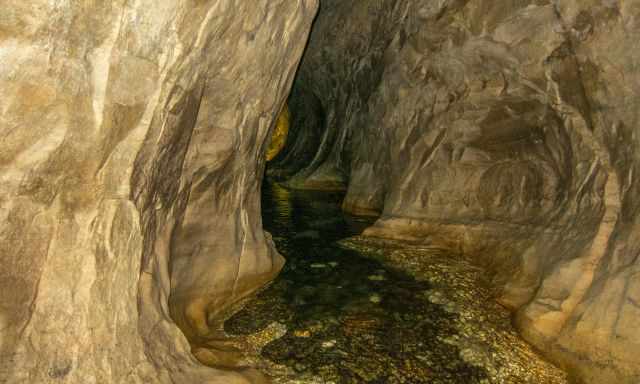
(133, 140)
(505, 130)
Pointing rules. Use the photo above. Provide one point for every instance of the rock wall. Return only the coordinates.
(131, 155)
(339, 71)
(503, 130)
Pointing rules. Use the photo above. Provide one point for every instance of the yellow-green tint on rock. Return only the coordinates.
(279, 136)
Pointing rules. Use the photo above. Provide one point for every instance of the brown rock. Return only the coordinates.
(133, 138)
(507, 131)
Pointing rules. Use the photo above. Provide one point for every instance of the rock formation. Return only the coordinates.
(132, 150)
(504, 130)
(133, 141)
(279, 135)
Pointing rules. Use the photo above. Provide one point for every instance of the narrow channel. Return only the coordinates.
(350, 310)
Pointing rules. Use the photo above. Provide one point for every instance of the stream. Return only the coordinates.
(341, 313)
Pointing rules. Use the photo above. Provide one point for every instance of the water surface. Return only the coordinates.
(348, 318)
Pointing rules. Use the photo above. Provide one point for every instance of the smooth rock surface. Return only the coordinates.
(505, 130)
(132, 141)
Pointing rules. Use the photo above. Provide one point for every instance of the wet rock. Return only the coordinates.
(483, 333)
(329, 344)
(341, 336)
(375, 298)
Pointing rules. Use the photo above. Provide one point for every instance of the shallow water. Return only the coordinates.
(344, 316)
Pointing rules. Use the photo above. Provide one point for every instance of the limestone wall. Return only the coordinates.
(132, 139)
(502, 130)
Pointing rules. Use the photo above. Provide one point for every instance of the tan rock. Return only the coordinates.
(505, 130)
(133, 138)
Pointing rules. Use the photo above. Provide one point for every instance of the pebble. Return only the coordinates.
(375, 298)
(302, 333)
(328, 344)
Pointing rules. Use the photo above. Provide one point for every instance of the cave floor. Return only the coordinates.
(348, 309)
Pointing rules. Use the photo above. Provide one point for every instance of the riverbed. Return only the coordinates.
(349, 309)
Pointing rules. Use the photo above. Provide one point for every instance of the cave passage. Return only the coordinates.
(340, 313)
(493, 146)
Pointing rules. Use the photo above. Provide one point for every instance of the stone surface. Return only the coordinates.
(505, 130)
(132, 147)
(280, 133)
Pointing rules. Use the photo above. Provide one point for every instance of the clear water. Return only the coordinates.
(349, 319)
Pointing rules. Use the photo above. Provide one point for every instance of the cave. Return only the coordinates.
(319, 191)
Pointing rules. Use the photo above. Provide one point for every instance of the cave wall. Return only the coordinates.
(131, 154)
(502, 130)
(340, 68)
(300, 146)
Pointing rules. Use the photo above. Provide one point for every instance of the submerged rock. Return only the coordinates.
(375, 298)
(347, 328)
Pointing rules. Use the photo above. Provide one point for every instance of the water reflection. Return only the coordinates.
(348, 318)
